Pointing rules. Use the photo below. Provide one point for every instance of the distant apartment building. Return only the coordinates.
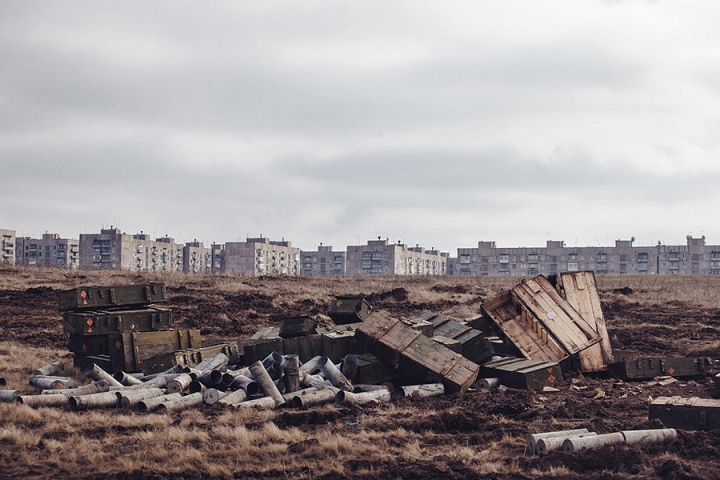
(379, 257)
(261, 256)
(322, 262)
(217, 252)
(48, 251)
(7, 247)
(197, 258)
(624, 258)
(113, 250)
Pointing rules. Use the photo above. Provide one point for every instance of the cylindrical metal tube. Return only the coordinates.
(363, 397)
(97, 373)
(3, 382)
(266, 384)
(425, 390)
(130, 399)
(211, 378)
(292, 373)
(195, 387)
(644, 437)
(51, 383)
(549, 444)
(349, 366)
(234, 397)
(215, 363)
(192, 400)
(262, 402)
(363, 387)
(8, 396)
(313, 381)
(487, 383)
(180, 383)
(310, 367)
(50, 370)
(150, 404)
(94, 400)
(213, 395)
(332, 373)
(290, 395)
(250, 386)
(94, 387)
(54, 400)
(126, 379)
(533, 438)
(598, 441)
(317, 397)
(271, 359)
(280, 386)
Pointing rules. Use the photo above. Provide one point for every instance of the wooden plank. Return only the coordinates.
(129, 349)
(191, 357)
(572, 314)
(451, 329)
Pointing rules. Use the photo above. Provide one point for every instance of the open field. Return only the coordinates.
(479, 434)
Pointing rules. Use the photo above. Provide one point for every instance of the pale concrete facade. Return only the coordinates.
(261, 256)
(322, 262)
(624, 258)
(379, 257)
(197, 258)
(7, 247)
(48, 251)
(113, 250)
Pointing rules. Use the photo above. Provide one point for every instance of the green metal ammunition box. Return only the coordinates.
(686, 413)
(345, 310)
(653, 367)
(297, 327)
(522, 373)
(84, 298)
(103, 322)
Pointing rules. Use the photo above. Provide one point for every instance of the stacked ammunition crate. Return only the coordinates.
(117, 327)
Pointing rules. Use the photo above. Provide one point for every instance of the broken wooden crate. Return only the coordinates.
(642, 368)
(108, 297)
(580, 291)
(414, 354)
(686, 413)
(543, 326)
(522, 373)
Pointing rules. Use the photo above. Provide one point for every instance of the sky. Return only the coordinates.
(431, 123)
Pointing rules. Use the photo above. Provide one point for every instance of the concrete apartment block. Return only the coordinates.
(7, 247)
(624, 258)
(261, 256)
(323, 262)
(48, 251)
(197, 258)
(113, 250)
(218, 258)
(379, 257)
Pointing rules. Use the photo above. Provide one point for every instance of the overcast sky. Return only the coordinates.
(433, 123)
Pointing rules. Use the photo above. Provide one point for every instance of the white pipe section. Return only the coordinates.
(533, 438)
(332, 373)
(591, 443)
(644, 437)
(362, 398)
(192, 400)
(234, 397)
(426, 390)
(150, 404)
(50, 370)
(545, 445)
(130, 399)
(266, 384)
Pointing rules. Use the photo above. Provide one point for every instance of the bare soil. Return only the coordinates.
(478, 434)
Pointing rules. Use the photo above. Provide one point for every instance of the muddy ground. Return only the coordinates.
(30, 316)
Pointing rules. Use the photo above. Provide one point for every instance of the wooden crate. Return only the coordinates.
(414, 354)
(191, 357)
(96, 297)
(654, 367)
(129, 350)
(580, 291)
(335, 345)
(686, 413)
(522, 373)
(103, 322)
(543, 326)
